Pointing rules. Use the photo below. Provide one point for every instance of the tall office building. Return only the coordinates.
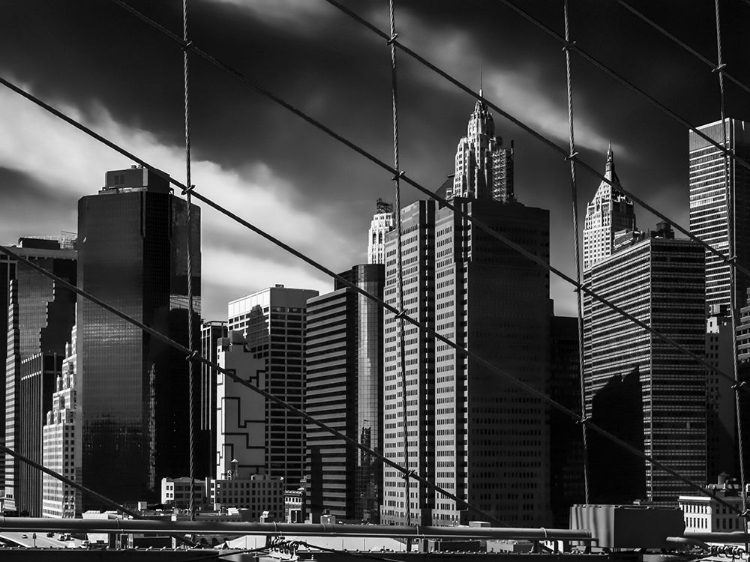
(134, 389)
(609, 211)
(40, 315)
(62, 442)
(211, 332)
(710, 177)
(344, 366)
(383, 222)
(470, 431)
(483, 167)
(273, 322)
(638, 386)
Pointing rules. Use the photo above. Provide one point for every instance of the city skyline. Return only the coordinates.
(281, 174)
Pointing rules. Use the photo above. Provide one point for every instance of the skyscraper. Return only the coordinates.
(382, 223)
(636, 385)
(273, 321)
(40, 315)
(134, 389)
(609, 211)
(483, 167)
(710, 177)
(61, 442)
(344, 369)
(470, 431)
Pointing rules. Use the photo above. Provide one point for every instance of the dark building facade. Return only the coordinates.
(566, 437)
(39, 316)
(343, 359)
(134, 389)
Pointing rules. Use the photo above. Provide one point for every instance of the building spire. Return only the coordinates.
(609, 171)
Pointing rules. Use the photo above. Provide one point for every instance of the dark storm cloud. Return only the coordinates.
(91, 53)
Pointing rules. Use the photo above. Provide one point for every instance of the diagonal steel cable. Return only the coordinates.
(719, 67)
(539, 136)
(193, 356)
(428, 331)
(429, 193)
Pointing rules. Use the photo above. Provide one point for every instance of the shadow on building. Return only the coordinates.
(617, 475)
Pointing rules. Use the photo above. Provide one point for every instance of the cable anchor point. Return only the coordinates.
(188, 189)
(187, 46)
(401, 314)
(719, 68)
(738, 385)
(583, 421)
(193, 354)
(392, 39)
(398, 176)
(568, 46)
(571, 156)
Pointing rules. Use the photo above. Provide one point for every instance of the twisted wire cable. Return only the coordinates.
(399, 262)
(576, 250)
(729, 193)
(191, 376)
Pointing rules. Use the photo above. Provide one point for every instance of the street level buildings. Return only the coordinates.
(609, 212)
(343, 359)
(40, 314)
(720, 187)
(638, 386)
(133, 388)
(273, 323)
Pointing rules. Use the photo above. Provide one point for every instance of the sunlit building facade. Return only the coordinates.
(134, 389)
(62, 442)
(383, 221)
(711, 175)
(609, 212)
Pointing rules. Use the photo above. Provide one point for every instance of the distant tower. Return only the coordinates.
(273, 322)
(484, 169)
(382, 222)
(608, 212)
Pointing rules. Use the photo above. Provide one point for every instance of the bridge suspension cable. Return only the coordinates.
(426, 330)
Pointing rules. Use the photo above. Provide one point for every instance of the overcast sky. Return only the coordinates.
(98, 63)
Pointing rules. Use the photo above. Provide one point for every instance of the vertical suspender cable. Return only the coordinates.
(731, 224)
(576, 244)
(191, 378)
(399, 263)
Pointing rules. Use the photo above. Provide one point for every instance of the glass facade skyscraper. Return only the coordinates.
(344, 367)
(133, 388)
